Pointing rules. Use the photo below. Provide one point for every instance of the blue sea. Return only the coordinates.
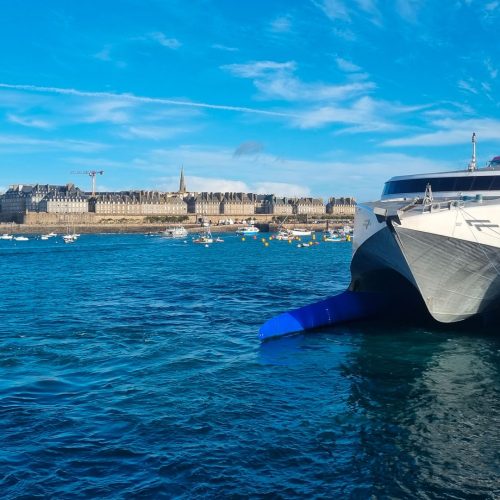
(130, 366)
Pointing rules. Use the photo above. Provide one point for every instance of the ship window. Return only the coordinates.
(443, 184)
(482, 183)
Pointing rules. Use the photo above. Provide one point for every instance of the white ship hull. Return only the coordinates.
(448, 252)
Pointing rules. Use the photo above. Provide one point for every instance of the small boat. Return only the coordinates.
(21, 238)
(284, 235)
(175, 232)
(6, 236)
(300, 232)
(204, 238)
(70, 238)
(251, 229)
(333, 237)
(218, 240)
(48, 236)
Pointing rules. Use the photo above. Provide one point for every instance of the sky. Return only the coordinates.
(297, 98)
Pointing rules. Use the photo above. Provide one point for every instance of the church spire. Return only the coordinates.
(182, 183)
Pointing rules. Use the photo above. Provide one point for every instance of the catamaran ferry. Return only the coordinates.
(435, 234)
(431, 243)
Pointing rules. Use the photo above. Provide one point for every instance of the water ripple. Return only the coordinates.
(130, 367)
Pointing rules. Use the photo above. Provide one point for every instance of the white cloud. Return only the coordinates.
(151, 132)
(366, 113)
(370, 7)
(28, 122)
(281, 189)
(222, 185)
(282, 24)
(170, 43)
(94, 163)
(276, 80)
(104, 54)
(30, 144)
(225, 48)
(106, 110)
(338, 10)
(451, 131)
(408, 10)
(199, 184)
(260, 69)
(467, 86)
(347, 66)
(131, 98)
(334, 9)
(492, 70)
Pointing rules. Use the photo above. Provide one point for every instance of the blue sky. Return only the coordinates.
(311, 97)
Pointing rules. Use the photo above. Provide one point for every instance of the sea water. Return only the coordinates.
(130, 366)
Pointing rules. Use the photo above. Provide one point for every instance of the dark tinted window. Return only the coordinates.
(440, 184)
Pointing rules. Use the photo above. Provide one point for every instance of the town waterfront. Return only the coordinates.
(130, 366)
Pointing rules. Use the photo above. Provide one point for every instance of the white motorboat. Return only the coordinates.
(247, 230)
(204, 238)
(333, 237)
(48, 236)
(283, 235)
(6, 236)
(434, 237)
(175, 232)
(70, 238)
(21, 238)
(300, 232)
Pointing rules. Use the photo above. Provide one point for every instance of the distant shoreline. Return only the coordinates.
(12, 228)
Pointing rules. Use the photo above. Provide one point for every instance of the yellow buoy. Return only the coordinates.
(266, 244)
(243, 239)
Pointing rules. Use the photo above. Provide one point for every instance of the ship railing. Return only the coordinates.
(438, 206)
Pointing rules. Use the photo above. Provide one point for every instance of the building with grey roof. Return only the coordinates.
(23, 198)
(341, 206)
(237, 204)
(137, 203)
(275, 205)
(308, 206)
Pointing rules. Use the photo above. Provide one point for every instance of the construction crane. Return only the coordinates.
(91, 173)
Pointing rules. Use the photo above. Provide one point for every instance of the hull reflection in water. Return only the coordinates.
(429, 411)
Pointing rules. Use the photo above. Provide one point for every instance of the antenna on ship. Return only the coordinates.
(472, 164)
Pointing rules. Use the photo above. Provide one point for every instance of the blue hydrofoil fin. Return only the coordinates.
(347, 306)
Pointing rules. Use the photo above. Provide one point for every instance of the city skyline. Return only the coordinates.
(322, 98)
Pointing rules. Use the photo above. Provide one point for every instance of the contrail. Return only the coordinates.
(142, 99)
